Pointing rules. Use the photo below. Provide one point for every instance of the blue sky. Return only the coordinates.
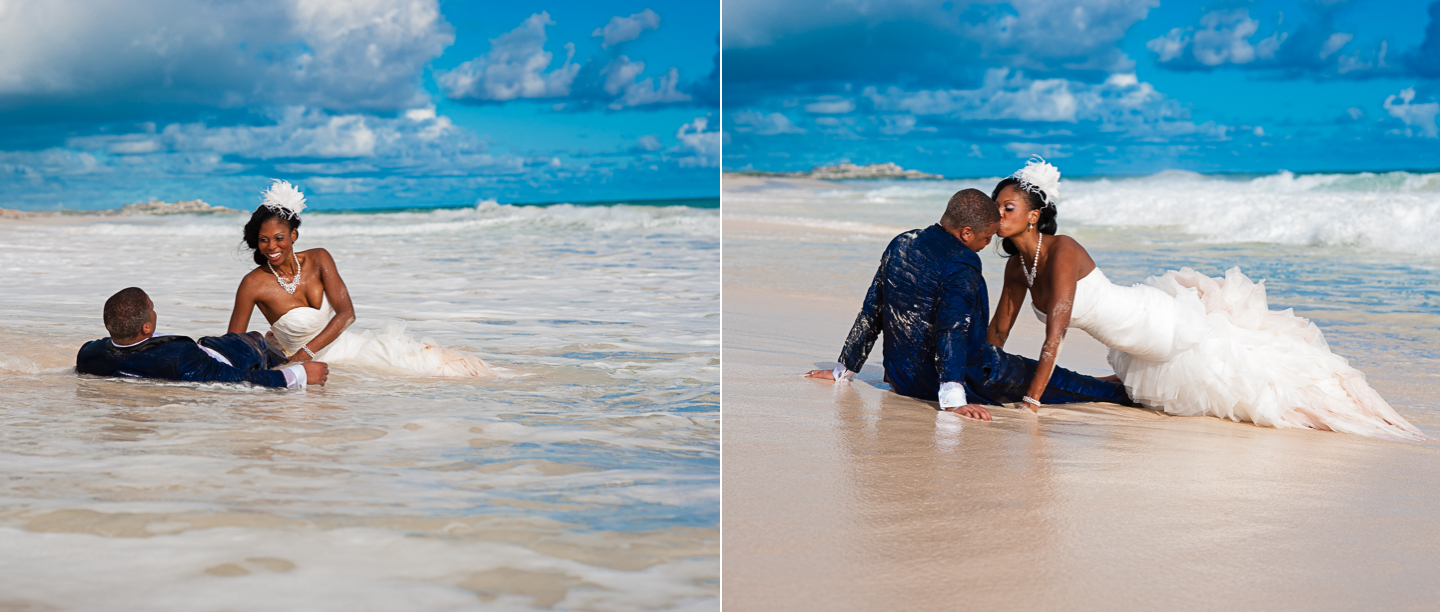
(1098, 86)
(363, 103)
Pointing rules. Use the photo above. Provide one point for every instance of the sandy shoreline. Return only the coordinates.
(854, 498)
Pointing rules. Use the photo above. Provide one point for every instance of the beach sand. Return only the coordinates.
(849, 497)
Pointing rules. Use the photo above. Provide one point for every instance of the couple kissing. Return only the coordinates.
(1181, 342)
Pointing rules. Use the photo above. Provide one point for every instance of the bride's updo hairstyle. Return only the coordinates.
(1047, 223)
(282, 201)
(1039, 185)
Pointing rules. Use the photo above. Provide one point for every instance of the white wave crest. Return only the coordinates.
(1396, 211)
(487, 216)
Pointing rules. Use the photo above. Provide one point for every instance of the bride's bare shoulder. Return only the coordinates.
(1071, 249)
(250, 283)
(1067, 243)
(257, 272)
(319, 254)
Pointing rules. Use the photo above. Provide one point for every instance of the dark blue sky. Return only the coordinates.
(362, 103)
(1098, 86)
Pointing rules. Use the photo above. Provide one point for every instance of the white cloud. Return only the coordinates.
(763, 124)
(1334, 43)
(1362, 60)
(1025, 150)
(1031, 34)
(514, 67)
(896, 125)
(620, 75)
(1223, 37)
(36, 165)
(624, 29)
(1169, 46)
(649, 91)
(703, 145)
(308, 141)
(1417, 117)
(831, 105)
(339, 55)
(1070, 34)
(1121, 104)
(650, 142)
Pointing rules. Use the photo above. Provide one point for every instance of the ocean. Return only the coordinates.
(587, 477)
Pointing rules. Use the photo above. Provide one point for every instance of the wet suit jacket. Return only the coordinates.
(180, 358)
(930, 301)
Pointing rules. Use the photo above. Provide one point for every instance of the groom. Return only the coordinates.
(135, 351)
(929, 299)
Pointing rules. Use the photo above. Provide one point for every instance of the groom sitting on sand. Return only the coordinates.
(931, 302)
(134, 350)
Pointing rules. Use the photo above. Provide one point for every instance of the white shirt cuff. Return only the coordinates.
(842, 374)
(294, 376)
(952, 394)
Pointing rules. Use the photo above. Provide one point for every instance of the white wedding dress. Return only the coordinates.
(1192, 345)
(392, 347)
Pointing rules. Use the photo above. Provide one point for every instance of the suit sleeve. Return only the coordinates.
(197, 366)
(954, 319)
(867, 324)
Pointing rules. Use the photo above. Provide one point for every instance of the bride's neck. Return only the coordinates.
(1025, 244)
(286, 267)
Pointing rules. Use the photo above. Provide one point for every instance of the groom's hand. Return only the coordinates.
(971, 410)
(825, 374)
(315, 372)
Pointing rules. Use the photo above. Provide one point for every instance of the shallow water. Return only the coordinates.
(586, 478)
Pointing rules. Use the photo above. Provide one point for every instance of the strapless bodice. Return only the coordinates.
(301, 324)
(1190, 344)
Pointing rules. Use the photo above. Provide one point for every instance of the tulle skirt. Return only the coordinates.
(1234, 358)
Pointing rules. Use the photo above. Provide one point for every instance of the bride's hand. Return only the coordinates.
(299, 356)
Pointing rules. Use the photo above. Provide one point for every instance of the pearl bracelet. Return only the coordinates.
(1030, 400)
(307, 352)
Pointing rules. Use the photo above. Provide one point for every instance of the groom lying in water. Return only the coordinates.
(930, 300)
(135, 351)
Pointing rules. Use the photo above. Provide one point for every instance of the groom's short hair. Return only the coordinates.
(970, 208)
(126, 312)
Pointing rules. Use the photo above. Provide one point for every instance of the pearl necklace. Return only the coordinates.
(295, 282)
(1029, 272)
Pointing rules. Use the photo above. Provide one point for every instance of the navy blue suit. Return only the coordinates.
(180, 358)
(930, 301)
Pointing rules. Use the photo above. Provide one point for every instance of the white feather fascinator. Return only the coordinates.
(1039, 177)
(284, 199)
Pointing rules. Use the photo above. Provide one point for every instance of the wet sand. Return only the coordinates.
(849, 497)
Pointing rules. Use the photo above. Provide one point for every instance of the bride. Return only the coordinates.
(1181, 342)
(308, 306)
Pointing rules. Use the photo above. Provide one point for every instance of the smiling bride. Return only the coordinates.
(308, 306)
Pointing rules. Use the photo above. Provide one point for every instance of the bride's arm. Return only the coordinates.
(244, 305)
(1011, 297)
(339, 297)
(1061, 276)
